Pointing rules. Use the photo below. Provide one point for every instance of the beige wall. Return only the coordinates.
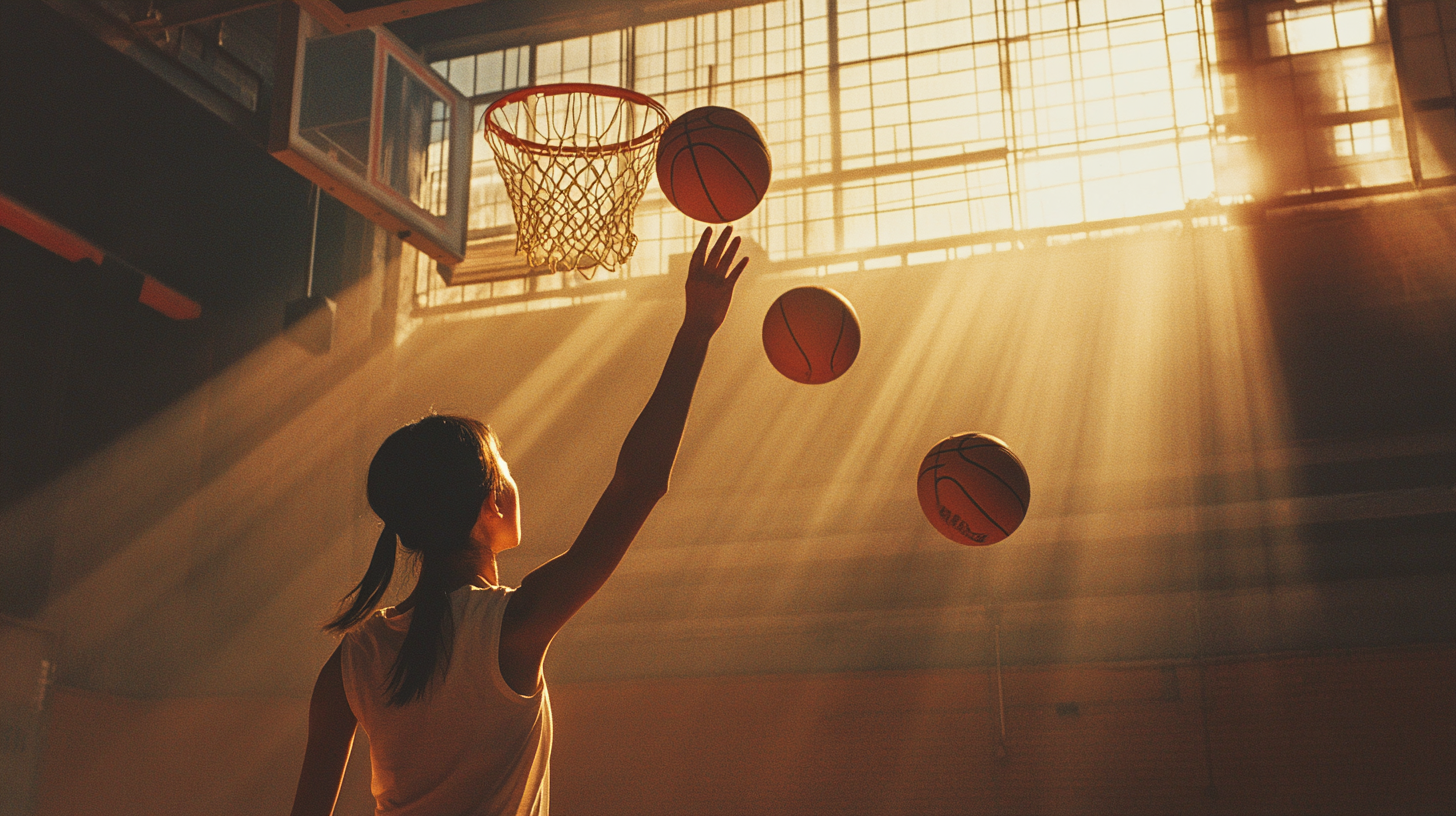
(1360, 733)
(788, 635)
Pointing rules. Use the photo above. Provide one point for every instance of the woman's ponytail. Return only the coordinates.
(371, 587)
(428, 482)
(426, 649)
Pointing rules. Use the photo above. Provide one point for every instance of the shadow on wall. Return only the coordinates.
(1134, 375)
(1351, 734)
(1137, 377)
(110, 151)
(198, 552)
(1363, 305)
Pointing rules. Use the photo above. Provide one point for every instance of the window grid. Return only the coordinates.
(961, 118)
(435, 185)
(596, 58)
(490, 206)
(1308, 99)
(752, 59)
(488, 73)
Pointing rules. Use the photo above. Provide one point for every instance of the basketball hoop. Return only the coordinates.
(576, 159)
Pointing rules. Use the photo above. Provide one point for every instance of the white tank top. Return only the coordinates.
(472, 746)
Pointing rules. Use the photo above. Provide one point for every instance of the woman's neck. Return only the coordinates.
(452, 572)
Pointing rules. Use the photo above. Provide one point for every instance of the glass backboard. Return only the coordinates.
(367, 120)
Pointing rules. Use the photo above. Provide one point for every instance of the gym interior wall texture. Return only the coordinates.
(1232, 596)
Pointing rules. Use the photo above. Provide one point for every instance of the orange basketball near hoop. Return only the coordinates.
(811, 334)
(713, 164)
(973, 489)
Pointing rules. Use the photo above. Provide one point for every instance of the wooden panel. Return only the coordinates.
(1366, 733)
(1360, 733)
(117, 756)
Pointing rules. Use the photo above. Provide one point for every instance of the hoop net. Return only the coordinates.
(576, 159)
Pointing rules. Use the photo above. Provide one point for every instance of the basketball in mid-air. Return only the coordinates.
(973, 489)
(713, 164)
(811, 334)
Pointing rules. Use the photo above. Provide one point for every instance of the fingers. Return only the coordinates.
(716, 255)
(727, 259)
(700, 254)
(737, 270)
(721, 256)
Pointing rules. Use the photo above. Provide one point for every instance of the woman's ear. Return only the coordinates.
(491, 506)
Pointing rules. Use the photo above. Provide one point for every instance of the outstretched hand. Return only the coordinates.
(711, 277)
(552, 593)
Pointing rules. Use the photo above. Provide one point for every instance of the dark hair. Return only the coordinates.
(427, 483)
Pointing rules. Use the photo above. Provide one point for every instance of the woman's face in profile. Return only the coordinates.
(499, 525)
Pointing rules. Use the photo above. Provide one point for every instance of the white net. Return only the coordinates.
(576, 159)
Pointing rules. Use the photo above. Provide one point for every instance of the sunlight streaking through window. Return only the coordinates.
(919, 125)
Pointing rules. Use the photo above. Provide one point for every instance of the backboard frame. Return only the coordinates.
(440, 237)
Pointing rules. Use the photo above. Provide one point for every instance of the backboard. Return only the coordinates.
(365, 118)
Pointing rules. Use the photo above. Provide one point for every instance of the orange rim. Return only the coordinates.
(561, 88)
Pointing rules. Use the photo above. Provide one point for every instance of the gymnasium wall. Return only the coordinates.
(98, 145)
(1180, 521)
(1240, 439)
(1368, 732)
(1176, 514)
(789, 564)
(1239, 436)
(787, 635)
(1156, 389)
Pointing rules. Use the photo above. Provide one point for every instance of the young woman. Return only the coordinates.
(448, 684)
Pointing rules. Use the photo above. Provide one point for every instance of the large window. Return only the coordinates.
(910, 131)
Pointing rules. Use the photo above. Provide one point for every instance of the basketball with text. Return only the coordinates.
(973, 489)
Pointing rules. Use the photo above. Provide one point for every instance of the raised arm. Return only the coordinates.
(552, 593)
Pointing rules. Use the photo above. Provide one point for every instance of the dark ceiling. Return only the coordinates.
(502, 23)
(449, 32)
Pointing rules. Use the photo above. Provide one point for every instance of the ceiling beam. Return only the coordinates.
(42, 231)
(327, 12)
(337, 20)
(496, 24)
(138, 47)
(197, 11)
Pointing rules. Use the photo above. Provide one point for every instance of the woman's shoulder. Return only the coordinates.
(381, 622)
(470, 595)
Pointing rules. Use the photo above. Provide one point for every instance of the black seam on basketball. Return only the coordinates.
(962, 451)
(671, 191)
(750, 134)
(731, 163)
(753, 136)
(787, 325)
(936, 466)
(969, 498)
(934, 487)
(835, 353)
(994, 475)
(692, 154)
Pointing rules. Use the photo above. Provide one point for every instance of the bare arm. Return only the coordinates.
(552, 593)
(331, 726)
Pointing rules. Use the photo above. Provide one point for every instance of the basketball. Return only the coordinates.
(973, 489)
(713, 164)
(811, 334)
